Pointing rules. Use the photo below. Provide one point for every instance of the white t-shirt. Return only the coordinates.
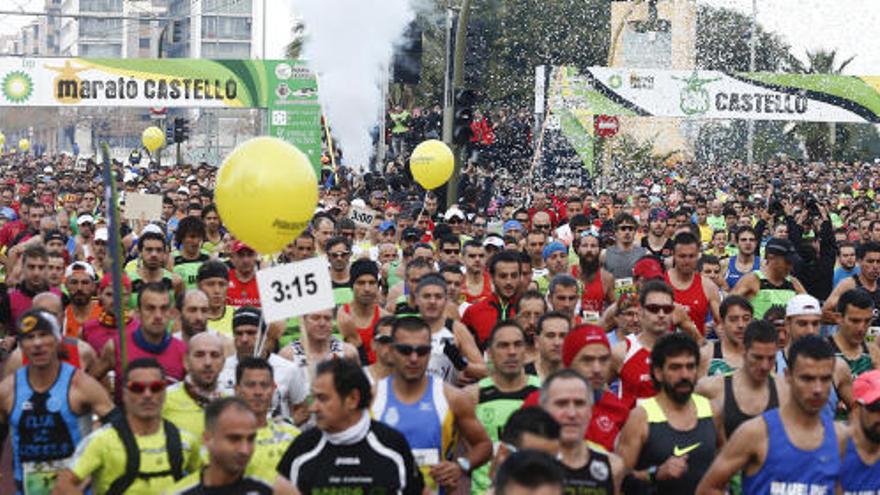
(292, 385)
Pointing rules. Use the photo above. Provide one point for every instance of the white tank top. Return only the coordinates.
(440, 366)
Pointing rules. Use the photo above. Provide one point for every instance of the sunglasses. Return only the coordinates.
(344, 254)
(873, 407)
(450, 251)
(382, 339)
(657, 308)
(141, 387)
(406, 349)
(626, 227)
(454, 220)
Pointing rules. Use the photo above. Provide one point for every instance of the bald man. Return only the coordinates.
(185, 401)
(76, 352)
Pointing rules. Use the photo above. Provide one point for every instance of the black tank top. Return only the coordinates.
(733, 415)
(875, 296)
(593, 478)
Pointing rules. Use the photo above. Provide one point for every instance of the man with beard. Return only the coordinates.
(793, 449)
(186, 400)
(426, 410)
(657, 242)
(860, 472)
(482, 316)
(671, 438)
(80, 282)
(723, 356)
(154, 253)
(99, 330)
(597, 283)
(501, 393)
(357, 319)
(692, 290)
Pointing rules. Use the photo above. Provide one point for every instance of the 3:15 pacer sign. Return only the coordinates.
(295, 289)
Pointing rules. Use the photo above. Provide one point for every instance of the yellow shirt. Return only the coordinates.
(101, 456)
(223, 325)
(182, 410)
(271, 444)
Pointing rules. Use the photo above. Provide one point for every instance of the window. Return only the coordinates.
(100, 5)
(226, 7)
(144, 43)
(100, 28)
(235, 28)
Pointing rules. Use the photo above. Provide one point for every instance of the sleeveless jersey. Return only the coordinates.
(664, 441)
(45, 431)
(439, 365)
(366, 333)
(783, 470)
(733, 415)
(427, 424)
(635, 374)
(593, 478)
(189, 269)
(718, 366)
(771, 295)
(494, 407)
(484, 292)
(593, 295)
(240, 293)
(733, 274)
(856, 477)
(858, 365)
(875, 296)
(694, 298)
(171, 358)
(137, 282)
(73, 327)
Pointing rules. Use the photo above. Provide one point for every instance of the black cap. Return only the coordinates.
(54, 235)
(363, 267)
(411, 233)
(247, 315)
(781, 247)
(212, 269)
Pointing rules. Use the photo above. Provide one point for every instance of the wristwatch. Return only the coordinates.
(464, 464)
(652, 475)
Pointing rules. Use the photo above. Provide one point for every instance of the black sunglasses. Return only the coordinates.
(406, 349)
(383, 339)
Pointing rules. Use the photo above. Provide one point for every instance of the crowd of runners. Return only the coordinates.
(692, 328)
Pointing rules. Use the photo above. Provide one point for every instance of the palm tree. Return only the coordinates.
(294, 49)
(819, 138)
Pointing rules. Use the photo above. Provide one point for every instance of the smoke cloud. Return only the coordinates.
(349, 44)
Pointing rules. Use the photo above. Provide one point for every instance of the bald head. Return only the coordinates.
(204, 360)
(204, 342)
(51, 302)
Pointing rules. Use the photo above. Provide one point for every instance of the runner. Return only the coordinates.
(317, 344)
(483, 315)
(597, 283)
(46, 404)
(670, 439)
(455, 357)
(103, 328)
(243, 289)
(186, 400)
(529, 472)
(569, 399)
(477, 284)
(621, 258)
(793, 448)
(357, 318)
(153, 250)
(551, 331)
(856, 309)
(657, 243)
(384, 365)
(138, 452)
(322, 457)
(860, 471)
(725, 355)
(230, 432)
(80, 282)
(213, 279)
(744, 261)
(772, 285)
(563, 294)
(692, 290)
(503, 391)
(190, 236)
(866, 279)
(427, 412)
(846, 263)
(529, 428)
(255, 384)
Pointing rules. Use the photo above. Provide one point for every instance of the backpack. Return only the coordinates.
(173, 448)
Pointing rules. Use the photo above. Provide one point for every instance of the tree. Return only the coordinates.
(294, 49)
(723, 37)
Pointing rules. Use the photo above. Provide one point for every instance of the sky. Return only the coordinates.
(846, 25)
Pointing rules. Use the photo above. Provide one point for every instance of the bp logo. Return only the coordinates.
(694, 98)
(17, 87)
(615, 81)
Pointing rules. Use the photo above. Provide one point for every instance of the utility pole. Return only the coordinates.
(457, 82)
(750, 145)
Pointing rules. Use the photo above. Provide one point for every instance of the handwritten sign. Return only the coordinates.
(295, 289)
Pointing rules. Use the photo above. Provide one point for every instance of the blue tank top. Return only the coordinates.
(45, 432)
(856, 477)
(420, 422)
(783, 470)
(733, 275)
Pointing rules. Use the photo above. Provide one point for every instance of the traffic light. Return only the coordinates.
(181, 130)
(464, 115)
(169, 133)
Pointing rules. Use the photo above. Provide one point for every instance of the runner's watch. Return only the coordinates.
(464, 464)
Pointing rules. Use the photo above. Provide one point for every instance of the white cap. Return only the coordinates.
(453, 212)
(152, 227)
(358, 203)
(803, 305)
(102, 235)
(494, 241)
(85, 219)
(183, 189)
(48, 169)
(79, 265)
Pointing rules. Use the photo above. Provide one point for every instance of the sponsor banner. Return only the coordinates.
(285, 88)
(718, 95)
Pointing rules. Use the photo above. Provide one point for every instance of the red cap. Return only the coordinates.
(647, 269)
(580, 337)
(107, 281)
(866, 388)
(239, 246)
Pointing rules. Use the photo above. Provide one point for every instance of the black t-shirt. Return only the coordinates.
(242, 486)
(663, 253)
(381, 459)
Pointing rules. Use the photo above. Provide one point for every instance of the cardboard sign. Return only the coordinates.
(362, 217)
(145, 207)
(295, 289)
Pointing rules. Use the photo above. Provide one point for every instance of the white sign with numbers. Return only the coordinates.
(362, 217)
(294, 289)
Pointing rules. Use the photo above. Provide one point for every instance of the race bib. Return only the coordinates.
(38, 478)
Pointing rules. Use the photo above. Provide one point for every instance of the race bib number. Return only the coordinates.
(39, 477)
(873, 333)
(426, 457)
(624, 286)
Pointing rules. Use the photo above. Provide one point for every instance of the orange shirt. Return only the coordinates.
(73, 327)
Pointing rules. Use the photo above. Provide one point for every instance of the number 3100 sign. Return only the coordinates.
(295, 289)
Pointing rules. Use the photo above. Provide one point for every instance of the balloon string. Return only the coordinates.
(264, 335)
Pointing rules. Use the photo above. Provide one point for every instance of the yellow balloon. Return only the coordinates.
(432, 163)
(266, 193)
(153, 138)
(24, 145)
